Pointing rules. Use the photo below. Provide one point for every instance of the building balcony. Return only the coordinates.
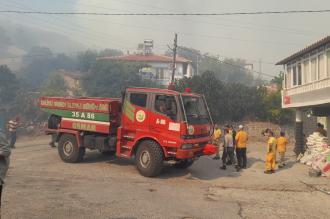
(311, 94)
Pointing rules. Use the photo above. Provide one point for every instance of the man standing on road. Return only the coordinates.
(271, 151)
(216, 141)
(13, 125)
(4, 161)
(228, 150)
(241, 141)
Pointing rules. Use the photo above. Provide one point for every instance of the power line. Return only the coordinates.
(195, 35)
(278, 29)
(166, 14)
(238, 66)
(231, 64)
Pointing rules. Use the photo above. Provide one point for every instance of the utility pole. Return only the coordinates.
(260, 68)
(197, 65)
(174, 57)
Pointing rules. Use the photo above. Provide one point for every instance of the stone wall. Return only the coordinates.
(255, 129)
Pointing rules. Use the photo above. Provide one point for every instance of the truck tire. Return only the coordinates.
(68, 149)
(149, 158)
(184, 164)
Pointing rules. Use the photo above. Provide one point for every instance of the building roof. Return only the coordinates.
(305, 50)
(145, 58)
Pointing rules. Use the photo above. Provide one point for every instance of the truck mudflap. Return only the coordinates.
(187, 154)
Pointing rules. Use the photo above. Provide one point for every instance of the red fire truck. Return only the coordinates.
(151, 125)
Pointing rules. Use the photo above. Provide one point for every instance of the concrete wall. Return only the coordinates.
(254, 130)
(309, 125)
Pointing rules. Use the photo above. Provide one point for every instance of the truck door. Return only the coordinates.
(165, 119)
(135, 114)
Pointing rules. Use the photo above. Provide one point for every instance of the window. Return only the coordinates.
(160, 74)
(321, 72)
(288, 78)
(299, 75)
(196, 110)
(307, 78)
(313, 71)
(295, 78)
(328, 64)
(139, 99)
(166, 105)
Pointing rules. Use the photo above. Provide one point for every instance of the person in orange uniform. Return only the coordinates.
(271, 151)
(282, 141)
(216, 141)
(241, 139)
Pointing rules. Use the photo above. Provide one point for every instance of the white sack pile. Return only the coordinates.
(317, 154)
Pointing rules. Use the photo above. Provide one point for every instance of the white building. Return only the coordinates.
(306, 84)
(158, 67)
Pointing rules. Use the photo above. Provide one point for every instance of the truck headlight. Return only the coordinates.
(186, 146)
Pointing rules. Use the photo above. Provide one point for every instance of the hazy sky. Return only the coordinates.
(266, 37)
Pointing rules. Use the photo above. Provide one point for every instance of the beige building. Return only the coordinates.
(306, 85)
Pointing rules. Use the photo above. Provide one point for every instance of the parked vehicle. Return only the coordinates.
(152, 125)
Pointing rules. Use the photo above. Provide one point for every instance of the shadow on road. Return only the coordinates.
(288, 165)
(96, 157)
(205, 169)
(251, 161)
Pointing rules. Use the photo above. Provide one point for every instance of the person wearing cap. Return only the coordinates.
(5, 151)
(271, 151)
(241, 142)
(216, 140)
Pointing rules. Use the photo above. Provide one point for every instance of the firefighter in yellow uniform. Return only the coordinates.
(271, 151)
(282, 141)
(216, 141)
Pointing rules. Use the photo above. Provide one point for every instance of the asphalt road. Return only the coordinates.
(40, 185)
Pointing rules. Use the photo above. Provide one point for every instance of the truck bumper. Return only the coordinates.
(187, 154)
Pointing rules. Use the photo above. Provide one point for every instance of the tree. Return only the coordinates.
(110, 52)
(109, 78)
(8, 85)
(40, 62)
(273, 104)
(211, 87)
(54, 86)
(86, 60)
(229, 101)
(278, 80)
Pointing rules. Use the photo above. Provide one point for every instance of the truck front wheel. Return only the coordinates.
(68, 149)
(149, 158)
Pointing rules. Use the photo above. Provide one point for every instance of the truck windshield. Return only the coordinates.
(196, 110)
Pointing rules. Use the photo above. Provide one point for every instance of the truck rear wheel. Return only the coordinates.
(184, 164)
(68, 149)
(149, 158)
